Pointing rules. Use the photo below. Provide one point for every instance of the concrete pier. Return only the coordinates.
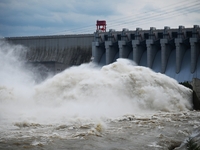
(155, 49)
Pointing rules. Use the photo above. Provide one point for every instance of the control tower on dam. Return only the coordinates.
(174, 52)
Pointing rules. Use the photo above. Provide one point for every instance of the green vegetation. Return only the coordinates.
(192, 144)
(187, 84)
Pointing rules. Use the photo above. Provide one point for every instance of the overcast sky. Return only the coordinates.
(54, 17)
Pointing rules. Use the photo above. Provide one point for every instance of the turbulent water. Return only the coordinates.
(118, 106)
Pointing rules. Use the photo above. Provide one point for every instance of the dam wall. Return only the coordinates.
(174, 52)
(56, 52)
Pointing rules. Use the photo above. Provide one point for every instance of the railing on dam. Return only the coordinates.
(174, 52)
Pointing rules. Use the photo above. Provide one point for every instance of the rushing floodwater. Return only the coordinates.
(119, 106)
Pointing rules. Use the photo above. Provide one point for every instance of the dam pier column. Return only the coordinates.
(152, 47)
(180, 48)
(98, 48)
(97, 51)
(165, 53)
(165, 49)
(111, 48)
(195, 45)
(138, 46)
(111, 51)
(124, 48)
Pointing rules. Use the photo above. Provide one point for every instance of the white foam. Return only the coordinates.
(88, 92)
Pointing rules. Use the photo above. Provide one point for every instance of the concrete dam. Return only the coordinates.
(174, 52)
(56, 52)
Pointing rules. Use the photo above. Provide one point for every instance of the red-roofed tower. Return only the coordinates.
(101, 25)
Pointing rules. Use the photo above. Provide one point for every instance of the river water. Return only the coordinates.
(119, 106)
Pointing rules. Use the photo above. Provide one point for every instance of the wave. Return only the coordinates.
(87, 91)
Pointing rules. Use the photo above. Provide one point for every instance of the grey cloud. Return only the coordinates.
(30, 17)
